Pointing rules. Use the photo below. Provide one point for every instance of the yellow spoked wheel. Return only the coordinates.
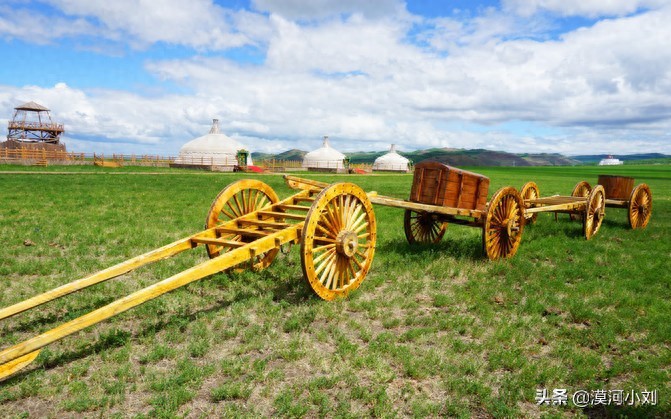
(581, 189)
(338, 240)
(502, 229)
(423, 227)
(530, 191)
(594, 212)
(640, 206)
(235, 200)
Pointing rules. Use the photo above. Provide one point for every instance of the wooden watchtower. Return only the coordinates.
(32, 127)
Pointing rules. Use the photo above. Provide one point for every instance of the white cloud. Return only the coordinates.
(486, 82)
(42, 29)
(588, 8)
(317, 9)
(200, 24)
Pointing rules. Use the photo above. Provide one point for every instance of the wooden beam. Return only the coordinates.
(20, 353)
(242, 231)
(571, 206)
(218, 242)
(109, 273)
(435, 209)
(283, 215)
(262, 223)
(617, 203)
(292, 207)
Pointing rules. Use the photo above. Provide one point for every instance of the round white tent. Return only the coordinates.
(214, 150)
(610, 161)
(325, 158)
(392, 162)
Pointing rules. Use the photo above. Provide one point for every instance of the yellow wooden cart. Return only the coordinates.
(585, 204)
(246, 224)
(443, 195)
(621, 193)
(334, 223)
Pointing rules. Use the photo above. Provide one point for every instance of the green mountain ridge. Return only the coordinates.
(474, 157)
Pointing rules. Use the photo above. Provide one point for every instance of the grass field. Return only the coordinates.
(433, 330)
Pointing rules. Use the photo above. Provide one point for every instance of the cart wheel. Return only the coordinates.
(338, 240)
(594, 212)
(640, 206)
(503, 225)
(530, 191)
(235, 200)
(423, 227)
(581, 189)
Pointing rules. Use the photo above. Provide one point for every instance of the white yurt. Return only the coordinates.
(610, 161)
(214, 151)
(325, 159)
(392, 162)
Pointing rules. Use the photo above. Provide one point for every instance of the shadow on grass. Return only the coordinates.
(621, 225)
(464, 248)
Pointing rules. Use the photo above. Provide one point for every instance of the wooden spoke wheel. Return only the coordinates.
(581, 189)
(235, 200)
(503, 225)
(423, 227)
(640, 206)
(338, 240)
(594, 212)
(530, 191)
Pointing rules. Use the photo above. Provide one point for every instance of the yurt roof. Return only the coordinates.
(324, 153)
(392, 157)
(212, 143)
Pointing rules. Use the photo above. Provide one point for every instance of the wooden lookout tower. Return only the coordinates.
(32, 127)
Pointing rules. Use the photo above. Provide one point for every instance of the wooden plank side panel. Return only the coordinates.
(617, 187)
(438, 184)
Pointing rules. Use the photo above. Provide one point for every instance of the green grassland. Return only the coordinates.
(434, 330)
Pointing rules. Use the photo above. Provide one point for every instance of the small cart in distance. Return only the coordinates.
(620, 193)
(589, 207)
(442, 194)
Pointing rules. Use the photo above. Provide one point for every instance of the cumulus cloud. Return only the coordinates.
(200, 24)
(588, 8)
(317, 9)
(42, 29)
(367, 80)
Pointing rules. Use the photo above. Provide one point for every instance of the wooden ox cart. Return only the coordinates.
(442, 194)
(588, 206)
(621, 193)
(246, 226)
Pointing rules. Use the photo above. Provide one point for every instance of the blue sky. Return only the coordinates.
(569, 76)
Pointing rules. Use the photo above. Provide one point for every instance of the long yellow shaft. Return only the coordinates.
(109, 273)
(225, 261)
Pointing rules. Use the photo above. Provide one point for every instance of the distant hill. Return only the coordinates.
(476, 157)
(595, 158)
(293, 155)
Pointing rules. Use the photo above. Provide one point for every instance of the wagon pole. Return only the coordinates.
(104, 275)
(309, 184)
(17, 356)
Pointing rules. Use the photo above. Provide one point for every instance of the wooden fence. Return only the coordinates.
(44, 157)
